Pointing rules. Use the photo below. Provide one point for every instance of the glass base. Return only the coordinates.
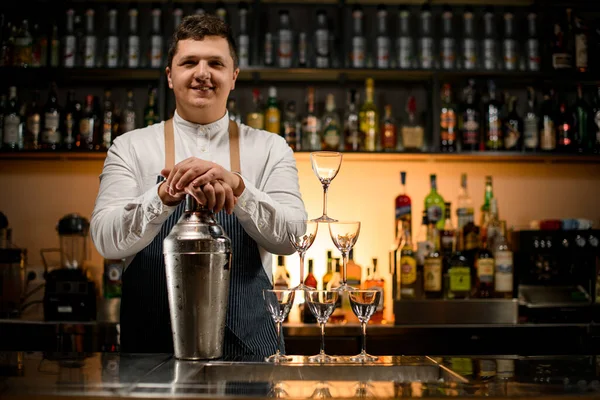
(277, 358)
(363, 357)
(302, 286)
(322, 358)
(344, 287)
(324, 218)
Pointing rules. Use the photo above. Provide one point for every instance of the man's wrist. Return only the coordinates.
(165, 197)
(239, 186)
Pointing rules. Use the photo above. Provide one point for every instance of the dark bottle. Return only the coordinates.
(71, 116)
(448, 122)
(89, 125)
(581, 40)
(509, 44)
(565, 130)
(310, 281)
(151, 114)
(457, 275)
(562, 44)
(531, 136)
(51, 134)
(448, 234)
(33, 123)
(583, 126)
(433, 270)
(547, 123)
(12, 133)
(470, 119)
(595, 130)
(484, 273)
(108, 122)
(493, 120)
(513, 127)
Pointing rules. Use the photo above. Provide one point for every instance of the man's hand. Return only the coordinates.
(215, 196)
(198, 173)
(167, 198)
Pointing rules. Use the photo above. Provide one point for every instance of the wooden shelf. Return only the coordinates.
(16, 75)
(501, 157)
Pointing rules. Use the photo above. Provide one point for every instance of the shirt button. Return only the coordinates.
(203, 149)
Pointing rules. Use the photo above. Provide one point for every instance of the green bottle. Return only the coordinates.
(434, 204)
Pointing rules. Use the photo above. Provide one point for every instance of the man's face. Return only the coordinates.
(201, 76)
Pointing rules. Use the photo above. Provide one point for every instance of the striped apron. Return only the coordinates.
(145, 319)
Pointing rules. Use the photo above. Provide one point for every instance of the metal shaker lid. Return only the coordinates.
(73, 224)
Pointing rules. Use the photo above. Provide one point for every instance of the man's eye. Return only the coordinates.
(217, 63)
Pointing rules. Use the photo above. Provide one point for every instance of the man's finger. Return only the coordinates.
(229, 198)
(209, 192)
(219, 196)
(211, 175)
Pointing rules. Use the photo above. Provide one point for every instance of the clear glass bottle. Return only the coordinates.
(156, 40)
(383, 40)
(369, 117)
(272, 112)
(330, 123)
(465, 212)
(23, 46)
(133, 40)
(292, 127)
(469, 43)
(503, 261)
(322, 51)
(243, 37)
(493, 120)
(425, 237)
(448, 47)
(311, 139)
(256, 118)
(129, 119)
(89, 40)
(426, 46)
(233, 112)
(69, 41)
(533, 43)
(581, 38)
(432, 272)
(33, 123)
(353, 135)
(51, 131)
(509, 44)
(285, 40)
(358, 53)
(531, 139)
(89, 124)
(113, 58)
(108, 121)
(389, 136)
(513, 127)
(490, 47)
(405, 45)
(412, 131)
(71, 119)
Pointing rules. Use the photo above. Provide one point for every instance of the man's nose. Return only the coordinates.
(202, 71)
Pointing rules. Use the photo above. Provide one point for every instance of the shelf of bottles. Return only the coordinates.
(461, 54)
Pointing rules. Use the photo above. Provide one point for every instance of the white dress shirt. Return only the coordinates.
(128, 213)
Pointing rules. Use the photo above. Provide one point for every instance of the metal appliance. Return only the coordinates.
(69, 294)
(557, 275)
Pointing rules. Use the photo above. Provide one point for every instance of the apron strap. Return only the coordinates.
(234, 146)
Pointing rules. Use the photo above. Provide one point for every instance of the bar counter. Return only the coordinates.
(99, 375)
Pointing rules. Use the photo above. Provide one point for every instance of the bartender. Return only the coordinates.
(248, 177)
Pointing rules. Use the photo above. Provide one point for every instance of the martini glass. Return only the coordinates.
(364, 304)
(302, 235)
(321, 303)
(326, 165)
(279, 303)
(344, 235)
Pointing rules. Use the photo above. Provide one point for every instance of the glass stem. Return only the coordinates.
(278, 326)
(322, 338)
(302, 253)
(325, 187)
(363, 325)
(344, 265)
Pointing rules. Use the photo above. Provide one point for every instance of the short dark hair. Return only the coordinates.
(196, 27)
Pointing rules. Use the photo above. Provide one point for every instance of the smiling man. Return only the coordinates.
(247, 176)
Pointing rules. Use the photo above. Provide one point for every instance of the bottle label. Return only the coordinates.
(448, 55)
(489, 54)
(268, 49)
(504, 271)
(426, 55)
(358, 52)
(133, 52)
(33, 126)
(533, 55)
(388, 136)
(409, 270)
(112, 52)
(290, 134)
(511, 139)
(383, 52)
(470, 127)
(447, 241)
(460, 279)
(128, 121)
(156, 44)
(530, 136)
(12, 127)
(548, 135)
(69, 124)
(470, 53)
(69, 51)
(86, 129)
(284, 50)
(322, 62)
(510, 54)
(272, 120)
(381, 297)
(89, 56)
(561, 60)
(423, 248)
(471, 241)
(322, 43)
(405, 52)
(244, 50)
(403, 212)
(581, 51)
(464, 215)
(51, 134)
(432, 271)
(448, 124)
(485, 270)
(434, 213)
(331, 136)
(412, 137)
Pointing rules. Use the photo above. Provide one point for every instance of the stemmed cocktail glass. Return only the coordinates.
(364, 304)
(344, 235)
(321, 303)
(325, 165)
(279, 303)
(302, 235)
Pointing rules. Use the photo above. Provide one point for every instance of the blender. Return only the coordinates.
(70, 295)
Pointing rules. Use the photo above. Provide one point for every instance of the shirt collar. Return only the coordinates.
(210, 130)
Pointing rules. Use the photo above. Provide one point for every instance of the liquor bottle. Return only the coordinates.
(268, 55)
(503, 261)
(243, 37)
(487, 200)
(281, 278)
(490, 48)
(426, 50)
(285, 36)
(151, 115)
(581, 37)
(369, 117)
(338, 316)
(39, 47)
(272, 113)
(8, 45)
(353, 271)
(69, 41)
(108, 122)
(89, 124)
(328, 270)
(233, 112)
(51, 131)
(447, 235)
(469, 43)
(12, 138)
(412, 130)
(405, 45)
(595, 132)
(457, 275)
(89, 40)
(485, 270)
(302, 50)
(409, 284)
(322, 51)
(389, 136)
(353, 135)
(493, 229)
(513, 127)
(547, 125)
(33, 123)
(403, 209)
(156, 40)
(493, 120)
(129, 122)
(432, 270)
(71, 117)
(448, 123)
(311, 140)
(565, 132)
(221, 11)
(509, 44)
(465, 212)
(425, 236)
(382, 40)
(256, 118)
(448, 48)
(531, 139)
(177, 16)
(583, 126)
(359, 43)
(133, 40)
(23, 46)
(562, 46)
(533, 43)
(470, 119)
(291, 126)
(332, 129)
(54, 47)
(375, 281)
(434, 204)
(112, 40)
(310, 281)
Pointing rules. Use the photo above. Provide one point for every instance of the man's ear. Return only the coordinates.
(235, 75)
(168, 72)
